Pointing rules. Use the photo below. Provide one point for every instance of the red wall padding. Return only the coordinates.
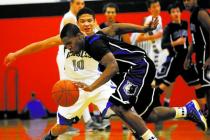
(39, 71)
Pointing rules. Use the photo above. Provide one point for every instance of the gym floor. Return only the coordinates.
(35, 129)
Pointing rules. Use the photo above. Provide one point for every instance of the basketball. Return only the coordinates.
(65, 93)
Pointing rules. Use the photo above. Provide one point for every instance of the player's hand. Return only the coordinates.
(152, 25)
(11, 57)
(207, 64)
(83, 86)
(187, 63)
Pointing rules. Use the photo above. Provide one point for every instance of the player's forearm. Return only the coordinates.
(156, 35)
(110, 71)
(176, 43)
(39, 46)
(123, 28)
(145, 37)
(29, 49)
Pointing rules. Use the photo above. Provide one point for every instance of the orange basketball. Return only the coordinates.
(65, 93)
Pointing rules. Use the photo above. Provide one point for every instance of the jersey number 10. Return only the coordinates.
(78, 65)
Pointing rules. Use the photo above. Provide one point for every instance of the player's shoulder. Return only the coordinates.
(168, 26)
(148, 18)
(95, 38)
(203, 11)
(68, 15)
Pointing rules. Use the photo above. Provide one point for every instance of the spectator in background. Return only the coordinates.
(35, 108)
(110, 11)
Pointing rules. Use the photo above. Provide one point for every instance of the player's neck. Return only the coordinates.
(154, 16)
(90, 34)
(73, 11)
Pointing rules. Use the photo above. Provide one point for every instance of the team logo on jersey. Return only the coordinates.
(129, 88)
(180, 33)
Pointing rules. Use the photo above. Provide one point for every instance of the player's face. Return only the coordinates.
(111, 14)
(155, 9)
(77, 5)
(189, 4)
(175, 14)
(86, 23)
(74, 44)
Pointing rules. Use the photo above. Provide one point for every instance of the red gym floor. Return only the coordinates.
(36, 129)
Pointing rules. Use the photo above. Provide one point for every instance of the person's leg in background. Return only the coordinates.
(200, 93)
(168, 93)
(90, 124)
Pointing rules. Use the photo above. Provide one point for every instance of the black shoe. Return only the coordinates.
(166, 104)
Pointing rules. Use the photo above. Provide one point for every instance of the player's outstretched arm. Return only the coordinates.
(32, 48)
(151, 35)
(204, 19)
(145, 37)
(122, 28)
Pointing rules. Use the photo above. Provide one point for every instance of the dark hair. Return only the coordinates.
(174, 5)
(112, 5)
(33, 94)
(69, 30)
(85, 10)
(149, 2)
(72, 1)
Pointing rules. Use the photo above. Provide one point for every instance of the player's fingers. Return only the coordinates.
(80, 84)
(6, 61)
(185, 67)
(76, 83)
(155, 21)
